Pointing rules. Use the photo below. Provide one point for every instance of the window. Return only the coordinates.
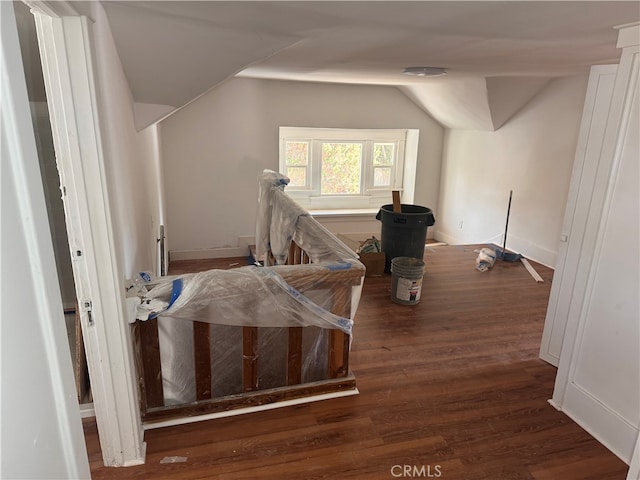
(337, 169)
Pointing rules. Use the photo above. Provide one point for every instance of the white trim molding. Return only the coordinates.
(634, 466)
(52, 8)
(401, 169)
(598, 380)
(577, 238)
(65, 48)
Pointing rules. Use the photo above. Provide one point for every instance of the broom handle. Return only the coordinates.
(506, 227)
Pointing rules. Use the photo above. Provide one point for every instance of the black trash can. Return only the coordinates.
(404, 234)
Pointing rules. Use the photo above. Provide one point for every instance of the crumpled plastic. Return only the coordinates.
(281, 220)
(260, 296)
(485, 260)
(370, 245)
(247, 296)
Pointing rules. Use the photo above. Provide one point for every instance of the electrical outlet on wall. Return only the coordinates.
(460, 223)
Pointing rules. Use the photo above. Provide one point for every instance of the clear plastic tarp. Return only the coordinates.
(319, 296)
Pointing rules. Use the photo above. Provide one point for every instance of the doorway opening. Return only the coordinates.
(53, 198)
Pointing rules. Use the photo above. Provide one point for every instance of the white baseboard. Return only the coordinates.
(204, 253)
(600, 421)
(452, 240)
(138, 461)
(246, 240)
(554, 404)
(242, 250)
(443, 237)
(533, 252)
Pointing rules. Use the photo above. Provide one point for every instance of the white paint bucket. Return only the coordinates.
(406, 284)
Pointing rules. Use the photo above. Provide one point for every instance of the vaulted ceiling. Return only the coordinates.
(497, 54)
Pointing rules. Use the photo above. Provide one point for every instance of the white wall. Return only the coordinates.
(214, 149)
(41, 434)
(131, 159)
(34, 344)
(532, 154)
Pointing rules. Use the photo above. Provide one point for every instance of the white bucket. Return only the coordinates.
(406, 284)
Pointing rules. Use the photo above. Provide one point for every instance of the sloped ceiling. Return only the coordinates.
(171, 55)
(498, 54)
(474, 103)
(506, 95)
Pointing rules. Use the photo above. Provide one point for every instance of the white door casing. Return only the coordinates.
(66, 52)
(598, 381)
(577, 238)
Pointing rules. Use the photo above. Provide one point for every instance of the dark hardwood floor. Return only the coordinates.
(450, 388)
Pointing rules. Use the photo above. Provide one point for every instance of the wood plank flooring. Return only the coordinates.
(450, 388)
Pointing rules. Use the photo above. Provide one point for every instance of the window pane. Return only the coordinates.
(383, 153)
(297, 176)
(341, 167)
(382, 176)
(297, 153)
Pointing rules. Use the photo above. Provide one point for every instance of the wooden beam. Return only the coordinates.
(249, 359)
(338, 354)
(397, 206)
(294, 356)
(147, 348)
(338, 340)
(244, 400)
(531, 270)
(202, 359)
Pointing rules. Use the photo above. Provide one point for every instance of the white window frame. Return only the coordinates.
(370, 197)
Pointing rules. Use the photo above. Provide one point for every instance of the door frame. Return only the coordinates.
(65, 43)
(577, 238)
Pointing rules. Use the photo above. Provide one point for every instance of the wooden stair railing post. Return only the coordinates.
(249, 359)
(202, 359)
(294, 356)
(338, 378)
(338, 340)
(294, 351)
(147, 348)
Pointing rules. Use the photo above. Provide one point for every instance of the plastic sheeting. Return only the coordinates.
(270, 297)
(247, 296)
(281, 220)
(178, 375)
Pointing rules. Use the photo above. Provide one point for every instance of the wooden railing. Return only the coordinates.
(337, 378)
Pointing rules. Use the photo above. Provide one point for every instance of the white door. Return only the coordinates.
(577, 238)
(42, 433)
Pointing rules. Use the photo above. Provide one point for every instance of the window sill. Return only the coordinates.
(345, 212)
